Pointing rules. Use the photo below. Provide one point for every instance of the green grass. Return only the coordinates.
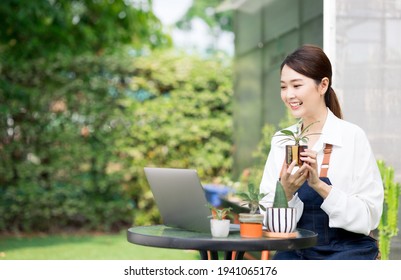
(85, 247)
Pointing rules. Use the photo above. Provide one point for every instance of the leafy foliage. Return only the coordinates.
(220, 213)
(181, 116)
(205, 9)
(59, 124)
(79, 117)
(77, 132)
(42, 28)
(300, 135)
(252, 197)
(388, 226)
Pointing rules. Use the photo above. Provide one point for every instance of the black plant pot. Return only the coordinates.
(292, 152)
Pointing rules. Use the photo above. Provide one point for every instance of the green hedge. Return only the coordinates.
(77, 132)
(181, 117)
(59, 124)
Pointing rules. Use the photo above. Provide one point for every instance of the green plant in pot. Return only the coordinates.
(300, 135)
(280, 218)
(219, 224)
(251, 224)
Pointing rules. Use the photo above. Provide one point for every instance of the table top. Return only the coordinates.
(167, 237)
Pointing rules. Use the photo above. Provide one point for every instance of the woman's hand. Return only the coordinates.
(309, 157)
(292, 182)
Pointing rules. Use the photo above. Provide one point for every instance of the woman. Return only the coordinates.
(342, 199)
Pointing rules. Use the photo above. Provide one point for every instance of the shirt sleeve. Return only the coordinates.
(357, 207)
(270, 176)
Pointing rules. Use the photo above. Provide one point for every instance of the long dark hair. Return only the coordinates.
(313, 63)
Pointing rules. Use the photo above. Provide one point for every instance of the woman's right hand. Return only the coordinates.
(292, 182)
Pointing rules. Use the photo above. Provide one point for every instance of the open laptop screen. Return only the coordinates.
(180, 197)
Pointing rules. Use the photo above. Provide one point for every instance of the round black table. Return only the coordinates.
(174, 238)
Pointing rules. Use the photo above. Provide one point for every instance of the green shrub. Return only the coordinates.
(388, 227)
(76, 133)
(181, 116)
(59, 125)
(28, 208)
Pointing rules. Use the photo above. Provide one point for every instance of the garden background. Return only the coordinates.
(91, 91)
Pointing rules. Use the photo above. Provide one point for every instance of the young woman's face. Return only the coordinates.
(300, 94)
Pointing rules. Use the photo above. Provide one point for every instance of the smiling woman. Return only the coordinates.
(309, 67)
(337, 190)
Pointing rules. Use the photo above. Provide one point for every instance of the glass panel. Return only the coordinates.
(312, 31)
(247, 108)
(280, 17)
(368, 71)
(311, 9)
(247, 31)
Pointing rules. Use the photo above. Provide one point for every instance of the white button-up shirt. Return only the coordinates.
(355, 201)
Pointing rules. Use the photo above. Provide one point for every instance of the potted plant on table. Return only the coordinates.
(301, 135)
(219, 225)
(280, 219)
(251, 224)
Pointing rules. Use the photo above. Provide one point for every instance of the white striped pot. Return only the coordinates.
(281, 219)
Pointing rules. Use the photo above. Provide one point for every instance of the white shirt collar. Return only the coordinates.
(330, 131)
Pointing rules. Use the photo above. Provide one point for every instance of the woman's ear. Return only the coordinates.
(324, 85)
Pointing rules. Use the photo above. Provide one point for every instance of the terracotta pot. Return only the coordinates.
(220, 228)
(281, 219)
(292, 152)
(251, 225)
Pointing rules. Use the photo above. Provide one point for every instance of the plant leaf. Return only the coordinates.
(280, 199)
(287, 132)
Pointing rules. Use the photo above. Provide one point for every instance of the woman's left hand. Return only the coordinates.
(309, 157)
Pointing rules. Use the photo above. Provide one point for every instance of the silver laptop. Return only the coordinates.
(180, 197)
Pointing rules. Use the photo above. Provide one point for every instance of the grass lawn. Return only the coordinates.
(85, 247)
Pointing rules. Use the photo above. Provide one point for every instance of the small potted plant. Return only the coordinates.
(219, 225)
(301, 135)
(280, 219)
(251, 224)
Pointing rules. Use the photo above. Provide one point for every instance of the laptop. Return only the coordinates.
(180, 197)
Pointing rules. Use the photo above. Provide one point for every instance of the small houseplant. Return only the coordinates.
(301, 135)
(219, 225)
(280, 219)
(251, 224)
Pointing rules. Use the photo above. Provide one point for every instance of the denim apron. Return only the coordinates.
(333, 243)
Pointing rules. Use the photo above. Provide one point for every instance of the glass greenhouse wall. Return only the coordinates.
(367, 76)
